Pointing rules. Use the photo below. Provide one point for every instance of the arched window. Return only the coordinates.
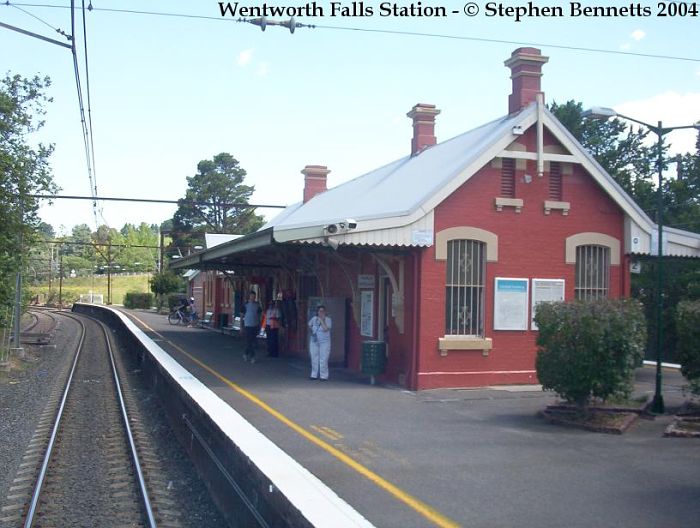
(464, 290)
(592, 272)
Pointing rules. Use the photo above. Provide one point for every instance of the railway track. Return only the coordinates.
(89, 463)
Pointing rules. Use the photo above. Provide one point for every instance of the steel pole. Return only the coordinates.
(657, 405)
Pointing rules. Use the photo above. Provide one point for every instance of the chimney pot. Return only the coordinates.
(526, 71)
(423, 116)
(314, 180)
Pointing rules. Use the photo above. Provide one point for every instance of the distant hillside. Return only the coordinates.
(73, 288)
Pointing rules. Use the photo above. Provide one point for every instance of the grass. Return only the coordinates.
(73, 287)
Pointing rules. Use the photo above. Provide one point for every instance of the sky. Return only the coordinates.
(169, 91)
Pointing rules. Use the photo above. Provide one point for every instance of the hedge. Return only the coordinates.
(138, 300)
(688, 327)
(589, 349)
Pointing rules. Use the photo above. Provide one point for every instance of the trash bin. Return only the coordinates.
(223, 320)
(373, 358)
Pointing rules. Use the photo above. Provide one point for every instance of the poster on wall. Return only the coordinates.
(366, 313)
(545, 290)
(510, 304)
(365, 282)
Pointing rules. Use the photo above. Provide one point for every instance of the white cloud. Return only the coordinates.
(638, 34)
(244, 57)
(673, 109)
(263, 69)
(626, 46)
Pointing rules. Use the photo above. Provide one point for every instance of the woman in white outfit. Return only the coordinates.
(320, 343)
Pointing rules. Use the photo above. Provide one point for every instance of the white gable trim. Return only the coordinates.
(494, 145)
(621, 198)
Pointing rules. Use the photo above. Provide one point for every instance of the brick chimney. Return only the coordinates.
(526, 69)
(423, 116)
(314, 180)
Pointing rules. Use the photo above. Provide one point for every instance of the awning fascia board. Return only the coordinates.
(257, 240)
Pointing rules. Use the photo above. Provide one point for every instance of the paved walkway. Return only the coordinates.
(476, 458)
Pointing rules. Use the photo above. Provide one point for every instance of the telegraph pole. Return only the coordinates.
(17, 349)
(60, 280)
(109, 272)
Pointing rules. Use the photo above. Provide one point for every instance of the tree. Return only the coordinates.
(163, 283)
(219, 183)
(24, 170)
(619, 149)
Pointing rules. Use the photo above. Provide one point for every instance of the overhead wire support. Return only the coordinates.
(263, 22)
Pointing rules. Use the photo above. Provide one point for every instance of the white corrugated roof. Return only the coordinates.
(399, 188)
(395, 202)
(215, 239)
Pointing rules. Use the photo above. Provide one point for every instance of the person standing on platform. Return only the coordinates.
(251, 326)
(272, 328)
(320, 343)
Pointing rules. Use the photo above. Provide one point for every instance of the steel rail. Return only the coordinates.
(134, 453)
(49, 449)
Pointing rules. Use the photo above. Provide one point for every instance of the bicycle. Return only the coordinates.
(178, 316)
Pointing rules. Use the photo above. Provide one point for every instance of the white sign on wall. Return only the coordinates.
(510, 304)
(366, 313)
(365, 282)
(545, 290)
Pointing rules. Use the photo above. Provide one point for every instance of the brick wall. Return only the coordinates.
(530, 245)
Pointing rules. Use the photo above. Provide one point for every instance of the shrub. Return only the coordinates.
(175, 299)
(688, 327)
(67, 298)
(138, 300)
(589, 348)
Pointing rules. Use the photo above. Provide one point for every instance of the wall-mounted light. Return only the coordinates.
(527, 178)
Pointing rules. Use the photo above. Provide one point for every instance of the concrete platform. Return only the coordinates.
(449, 457)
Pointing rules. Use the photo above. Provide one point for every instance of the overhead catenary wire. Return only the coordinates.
(76, 71)
(147, 200)
(89, 109)
(389, 32)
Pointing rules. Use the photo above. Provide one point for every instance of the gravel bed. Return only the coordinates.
(24, 392)
(185, 488)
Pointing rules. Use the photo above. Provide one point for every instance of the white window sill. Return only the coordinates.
(549, 205)
(457, 343)
(517, 203)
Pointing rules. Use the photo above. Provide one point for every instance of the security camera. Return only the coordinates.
(331, 229)
(351, 223)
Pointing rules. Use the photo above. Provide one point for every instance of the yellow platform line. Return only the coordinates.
(417, 505)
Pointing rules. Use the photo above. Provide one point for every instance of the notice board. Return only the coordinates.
(510, 304)
(545, 290)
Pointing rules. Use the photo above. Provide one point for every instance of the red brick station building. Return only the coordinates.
(443, 254)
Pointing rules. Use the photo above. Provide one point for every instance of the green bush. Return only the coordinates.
(138, 300)
(688, 327)
(589, 349)
(175, 299)
(67, 298)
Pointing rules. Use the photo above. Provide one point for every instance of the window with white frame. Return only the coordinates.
(592, 272)
(464, 291)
